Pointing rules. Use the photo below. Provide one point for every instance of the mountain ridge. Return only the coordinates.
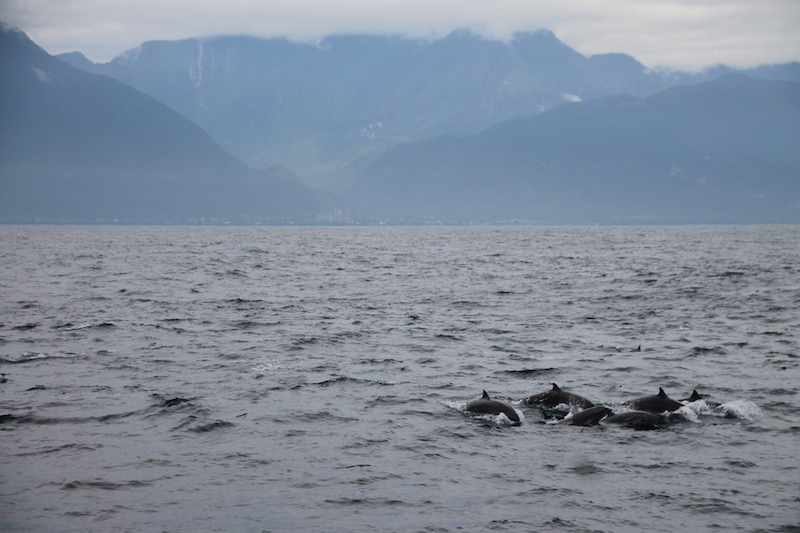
(81, 147)
(328, 109)
(719, 152)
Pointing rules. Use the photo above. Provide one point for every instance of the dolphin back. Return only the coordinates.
(589, 417)
(492, 407)
(636, 420)
(657, 403)
(557, 396)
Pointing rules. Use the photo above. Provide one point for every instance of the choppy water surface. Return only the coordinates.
(313, 379)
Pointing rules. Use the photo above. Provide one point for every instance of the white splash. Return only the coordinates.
(740, 409)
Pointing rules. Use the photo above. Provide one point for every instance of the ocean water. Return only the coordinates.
(254, 379)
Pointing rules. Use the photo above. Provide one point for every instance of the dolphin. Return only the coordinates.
(487, 406)
(589, 417)
(557, 396)
(657, 403)
(636, 420)
(696, 396)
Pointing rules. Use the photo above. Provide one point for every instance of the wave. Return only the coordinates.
(370, 502)
(346, 380)
(105, 485)
(526, 372)
(26, 327)
(195, 416)
(55, 420)
(211, 426)
(27, 357)
(172, 402)
(86, 325)
(76, 447)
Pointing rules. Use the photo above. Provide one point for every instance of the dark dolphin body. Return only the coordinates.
(555, 397)
(636, 420)
(632, 419)
(696, 396)
(589, 417)
(487, 406)
(657, 403)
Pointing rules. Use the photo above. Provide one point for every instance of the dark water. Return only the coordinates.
(314, 379)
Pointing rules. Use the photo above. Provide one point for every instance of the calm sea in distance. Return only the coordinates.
(292, 379)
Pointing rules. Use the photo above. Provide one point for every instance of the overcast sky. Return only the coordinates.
(684, 34)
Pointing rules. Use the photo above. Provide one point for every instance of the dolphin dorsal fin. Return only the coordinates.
(556, 387)
(486, 395)
(661, 393)
(695, 396)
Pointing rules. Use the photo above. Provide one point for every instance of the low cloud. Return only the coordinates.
(686, 34)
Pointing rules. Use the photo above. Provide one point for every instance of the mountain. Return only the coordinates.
(327, 110)
(723, 151)
(79, 147)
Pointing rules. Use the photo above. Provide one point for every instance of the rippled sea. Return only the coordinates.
(184, 379)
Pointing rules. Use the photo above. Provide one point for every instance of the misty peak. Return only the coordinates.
(542, 34)
(5, 28)
(11, 36)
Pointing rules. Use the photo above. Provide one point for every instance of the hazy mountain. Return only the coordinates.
(719, 152)
(326, 110)
(425, 127)
(79, 147)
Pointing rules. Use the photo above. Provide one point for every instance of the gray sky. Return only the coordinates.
(684, 34)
